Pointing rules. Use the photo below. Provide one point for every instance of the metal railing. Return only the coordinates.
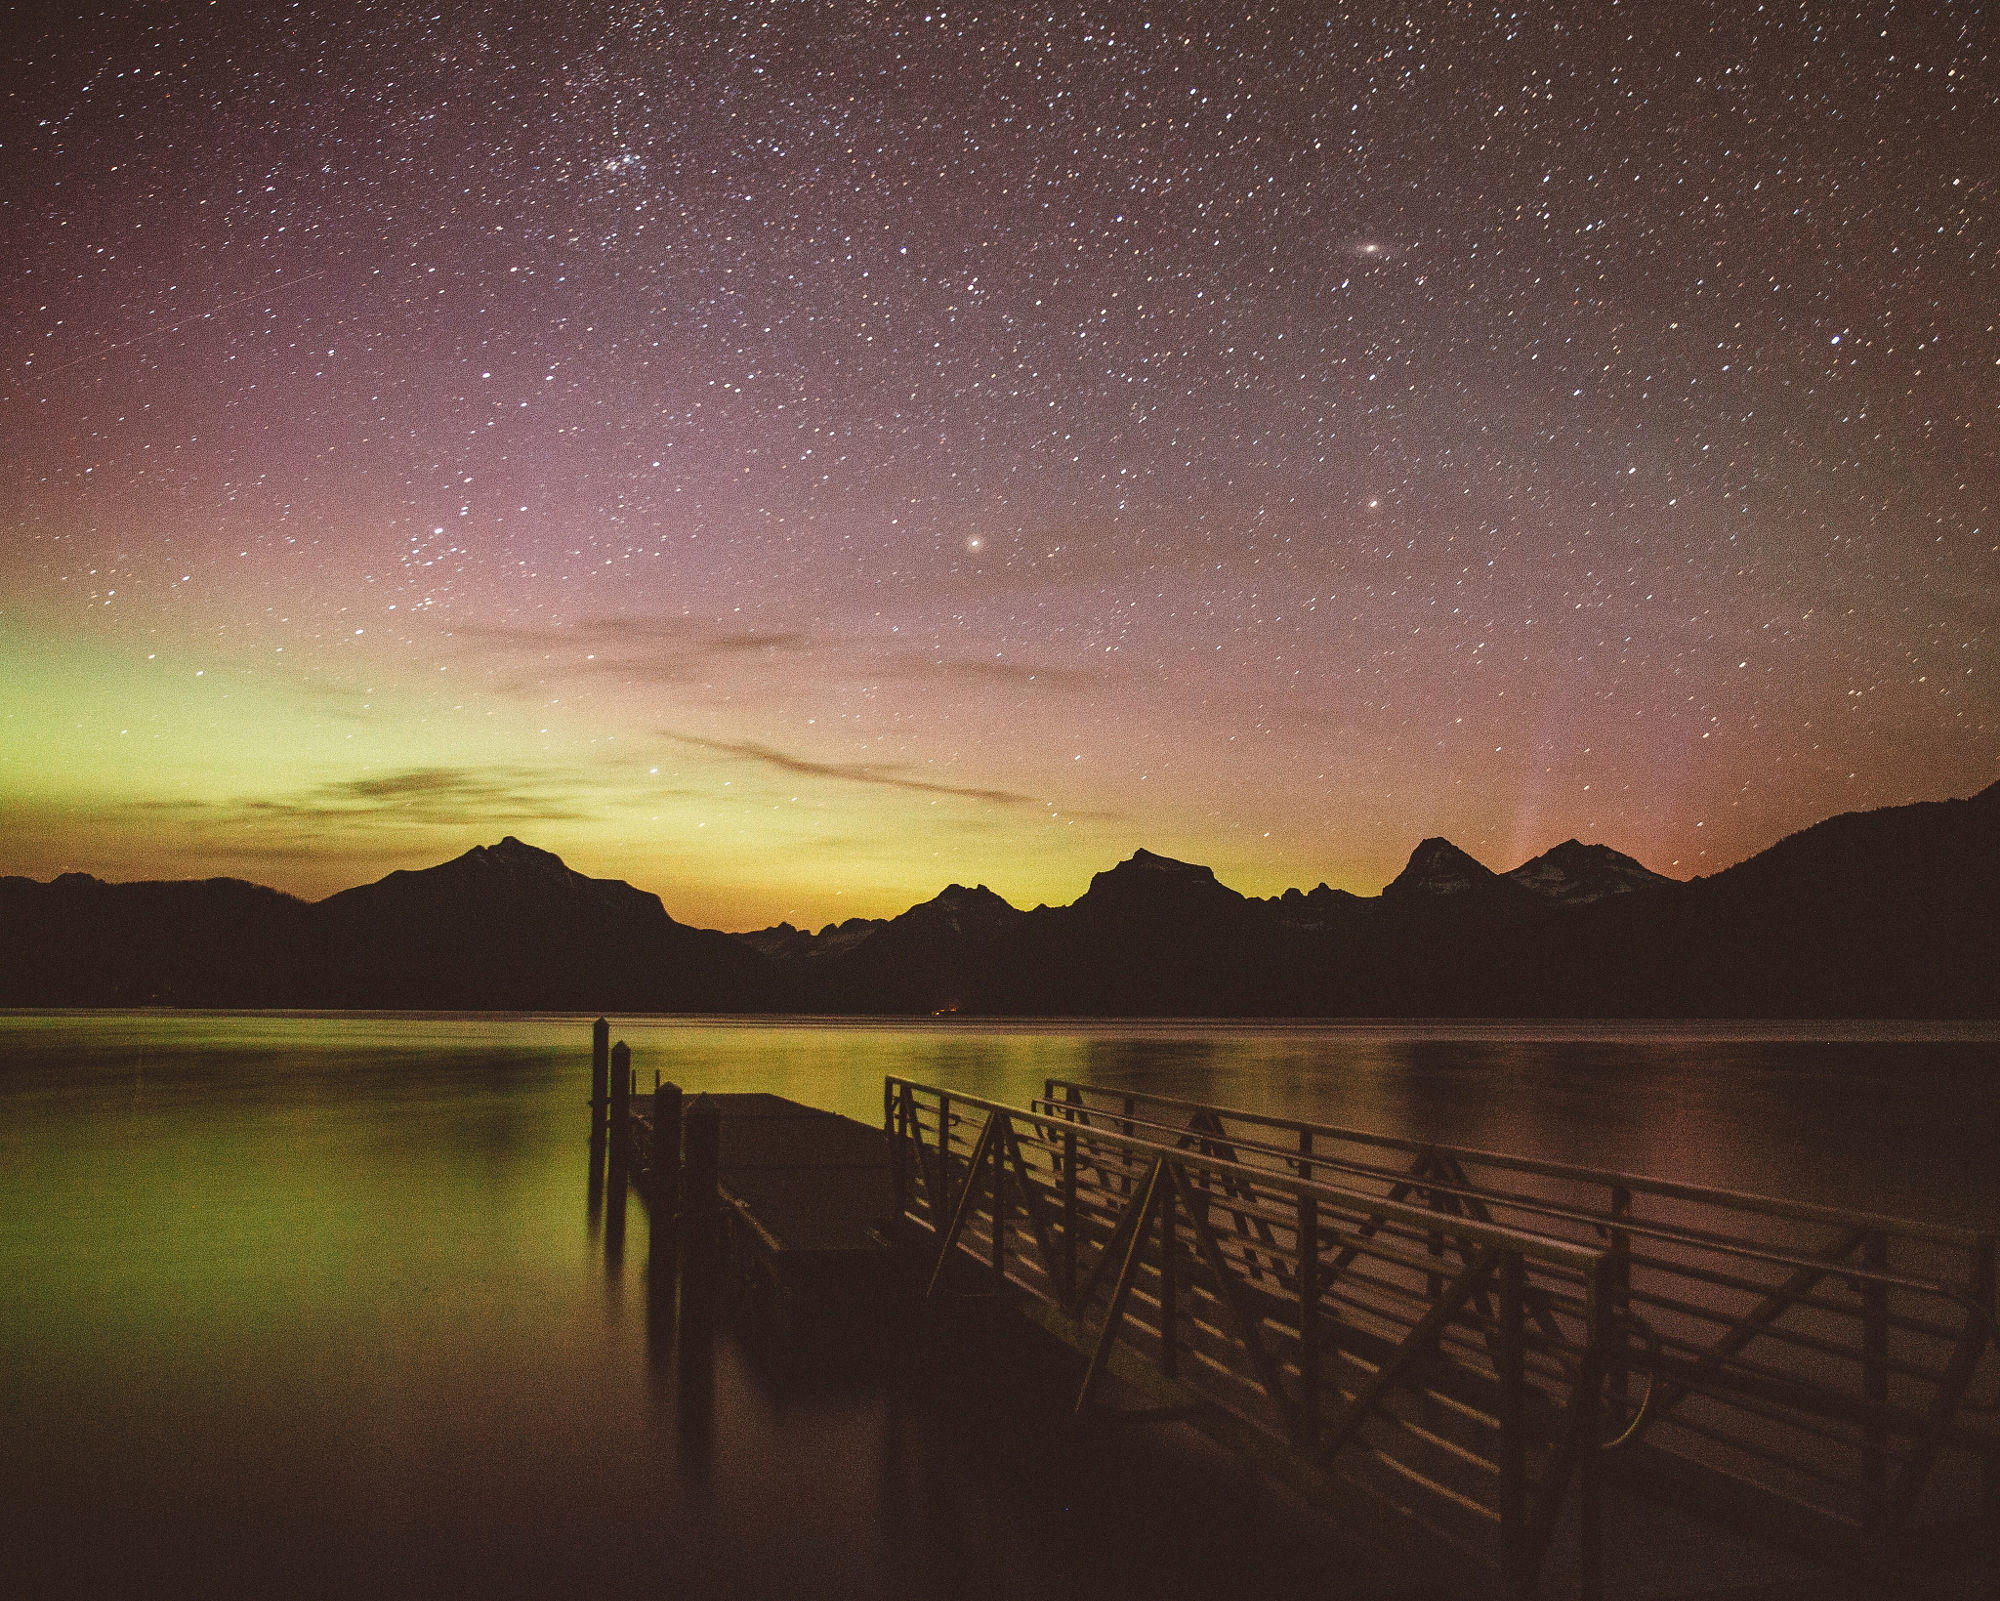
(1801, 1372)
(1443, 1371)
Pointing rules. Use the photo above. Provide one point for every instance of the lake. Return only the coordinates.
(316, 1305)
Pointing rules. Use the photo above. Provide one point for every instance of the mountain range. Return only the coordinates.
(1882, 913)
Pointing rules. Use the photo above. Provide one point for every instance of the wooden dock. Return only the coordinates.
(1520, 1377)
(807, 1198)
(801, 1201)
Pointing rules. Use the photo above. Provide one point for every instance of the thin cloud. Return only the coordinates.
(886, 774)
(443, 795)
(316, 851)
(669, 650)
(674, 650)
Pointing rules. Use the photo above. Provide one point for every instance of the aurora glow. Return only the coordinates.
(792, 457)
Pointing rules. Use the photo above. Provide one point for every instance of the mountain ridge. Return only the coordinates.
(1867, 913)
(1575, 873)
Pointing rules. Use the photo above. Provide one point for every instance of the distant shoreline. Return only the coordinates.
(1884, 915)
(1582, 1030)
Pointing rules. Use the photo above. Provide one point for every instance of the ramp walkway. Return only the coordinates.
(1525, 1376)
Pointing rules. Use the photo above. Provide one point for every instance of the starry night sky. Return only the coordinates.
(792, 456)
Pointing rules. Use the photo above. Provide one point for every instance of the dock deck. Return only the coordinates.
(808, 1196)
(809, 1182)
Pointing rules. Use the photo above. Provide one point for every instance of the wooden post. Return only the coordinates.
(600, 1067)
(1875, 1380)
(663, 1174)
(621, 1101)
(921, 1170)
(666, 1163)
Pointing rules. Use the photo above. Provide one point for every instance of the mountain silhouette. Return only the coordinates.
(1151, 935)
(1575, 873)
(1880, 913)
(1317, 908)
(785, 943)
(503, 927)
(508, 925)
(929, 959)
(79, 941)
(1438, 869)
(1875, 913)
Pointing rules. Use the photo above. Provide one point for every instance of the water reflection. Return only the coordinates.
(662, 1281)
(615, 1186)
(694, 1390)
(594, 1191)
(302, 1305)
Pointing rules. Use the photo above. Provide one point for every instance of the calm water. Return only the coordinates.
(315, 1306)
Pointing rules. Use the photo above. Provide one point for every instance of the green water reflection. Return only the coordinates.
(316, 1305)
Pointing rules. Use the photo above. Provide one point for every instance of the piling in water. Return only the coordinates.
(665, 1166)
(621, 1098)
(663, 1178)
(600, 1068)
(615, 1183)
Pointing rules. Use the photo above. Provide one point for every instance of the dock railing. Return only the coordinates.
(1805, 1374)
(1442, 1374)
